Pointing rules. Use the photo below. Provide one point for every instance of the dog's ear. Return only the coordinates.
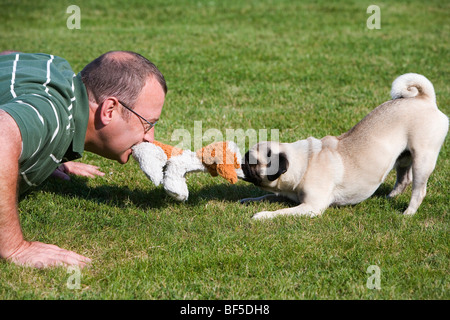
(283, 165)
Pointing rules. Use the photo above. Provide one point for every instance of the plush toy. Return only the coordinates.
(169, 165)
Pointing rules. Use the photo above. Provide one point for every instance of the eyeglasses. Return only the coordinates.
(147, 125)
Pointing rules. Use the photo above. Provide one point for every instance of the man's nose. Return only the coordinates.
(150, 136)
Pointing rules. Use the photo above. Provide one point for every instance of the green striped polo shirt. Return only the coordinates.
(50, 105)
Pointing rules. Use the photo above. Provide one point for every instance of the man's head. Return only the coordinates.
(120, 74)
(115, 81)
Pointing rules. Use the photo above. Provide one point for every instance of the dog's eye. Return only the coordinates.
(269, 153)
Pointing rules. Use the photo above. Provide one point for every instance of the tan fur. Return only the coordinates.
(219, 160)
(216, 157)
(404, 133)
(168, 149)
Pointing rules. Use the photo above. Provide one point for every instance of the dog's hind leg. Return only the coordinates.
(423, 166)
(403, 166)
(425, 147)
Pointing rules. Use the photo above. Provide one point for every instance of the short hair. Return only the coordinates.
(121, 74)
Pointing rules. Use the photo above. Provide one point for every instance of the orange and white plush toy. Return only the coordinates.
(169, 165)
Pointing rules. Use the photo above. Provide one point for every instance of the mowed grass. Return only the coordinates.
(306, 68)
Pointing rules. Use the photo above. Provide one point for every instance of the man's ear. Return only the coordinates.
(106, 110)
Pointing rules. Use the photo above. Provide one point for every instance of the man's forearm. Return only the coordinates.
(11, 237)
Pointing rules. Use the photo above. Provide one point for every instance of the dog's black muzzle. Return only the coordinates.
(250, 169)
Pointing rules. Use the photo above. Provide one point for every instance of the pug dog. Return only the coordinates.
(405, 133)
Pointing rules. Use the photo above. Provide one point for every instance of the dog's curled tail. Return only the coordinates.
(412, 85)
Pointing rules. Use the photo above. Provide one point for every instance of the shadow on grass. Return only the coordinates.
(119, 196)
(237, 192)
(122, 196)
(398, 204)
(231, 193)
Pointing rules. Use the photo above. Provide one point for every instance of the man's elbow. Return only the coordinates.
(4, 53)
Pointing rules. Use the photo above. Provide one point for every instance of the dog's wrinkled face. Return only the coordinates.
(264, 163)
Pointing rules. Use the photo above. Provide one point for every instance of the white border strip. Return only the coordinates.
(48, 74)
(13, 77)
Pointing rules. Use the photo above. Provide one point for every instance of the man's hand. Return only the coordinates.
(42, 255)
(76, 168)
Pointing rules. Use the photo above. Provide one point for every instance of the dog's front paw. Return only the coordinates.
(263, 215)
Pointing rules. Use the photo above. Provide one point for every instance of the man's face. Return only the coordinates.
(125, 133)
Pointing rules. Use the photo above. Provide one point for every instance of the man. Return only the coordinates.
(49, 115)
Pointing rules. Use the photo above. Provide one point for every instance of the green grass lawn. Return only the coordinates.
(306, 68)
